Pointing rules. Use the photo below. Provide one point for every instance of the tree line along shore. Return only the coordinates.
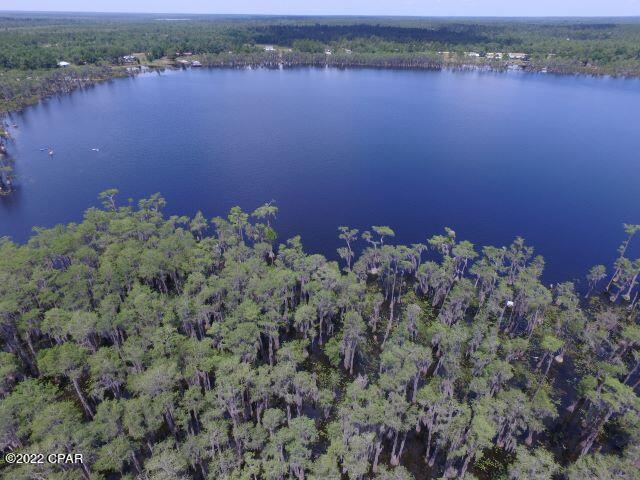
(47, 54)
(181, 347)
(19, 89)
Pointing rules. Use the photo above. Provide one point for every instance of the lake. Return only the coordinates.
(493, 156)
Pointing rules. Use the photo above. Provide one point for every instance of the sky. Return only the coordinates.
(343, 7)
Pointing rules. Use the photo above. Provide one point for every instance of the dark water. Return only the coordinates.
(553, 159)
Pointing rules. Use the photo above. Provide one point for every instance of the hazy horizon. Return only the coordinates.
(315, 15)
(413, 8)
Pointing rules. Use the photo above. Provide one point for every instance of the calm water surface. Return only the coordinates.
(553, 159)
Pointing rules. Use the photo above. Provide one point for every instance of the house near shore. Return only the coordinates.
(472, 54)
(129, 59)
(518, 56)
(269, 48)
(196, 64)
(495, 55)
(63, 64)
(327, 52)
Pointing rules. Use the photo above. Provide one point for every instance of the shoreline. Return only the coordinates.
(401, 61)
(68, 81)
(45, 84)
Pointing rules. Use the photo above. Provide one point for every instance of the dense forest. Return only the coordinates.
(173, 348)
(32, 44)
(36, 41)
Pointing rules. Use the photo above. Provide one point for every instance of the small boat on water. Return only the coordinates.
(51, 152)
(95, 149)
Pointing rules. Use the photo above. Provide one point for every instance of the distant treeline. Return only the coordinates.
(37, 41)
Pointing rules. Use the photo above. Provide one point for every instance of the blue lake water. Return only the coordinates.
(553, 159)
